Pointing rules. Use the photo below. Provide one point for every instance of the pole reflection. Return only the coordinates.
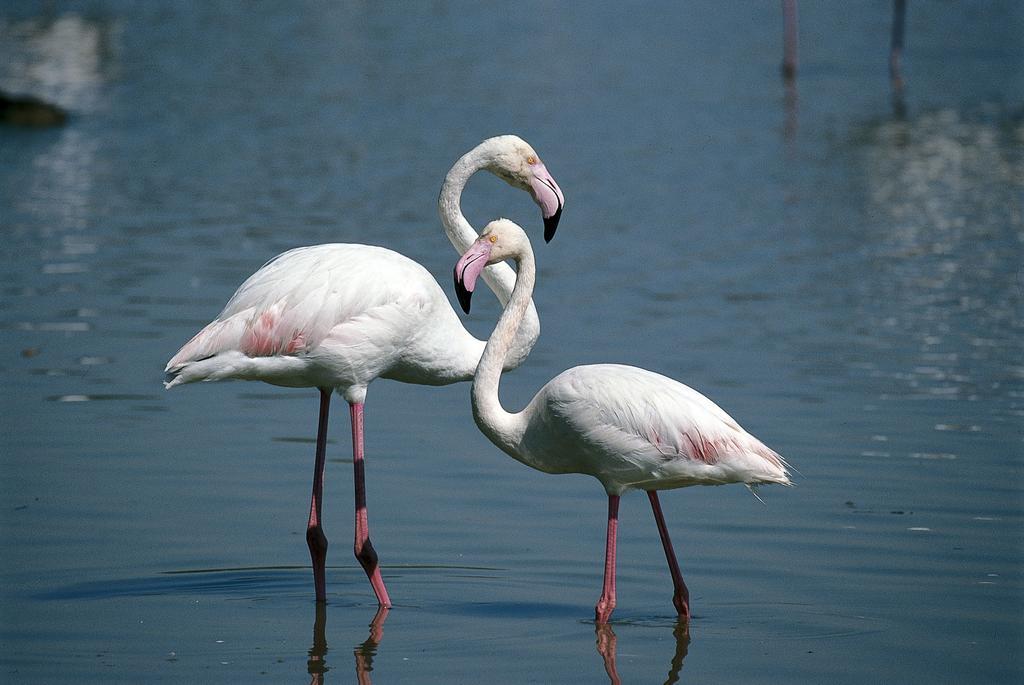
(791, 115)
(606, 646)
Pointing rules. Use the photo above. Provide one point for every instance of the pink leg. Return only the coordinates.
(605, 605)
(315, 538)
(681, 596)
(363, 547)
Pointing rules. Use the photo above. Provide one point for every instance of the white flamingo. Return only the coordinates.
(627, 427)
(338, 316)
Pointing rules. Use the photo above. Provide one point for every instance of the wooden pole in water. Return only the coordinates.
(899, 13)
(789, 39)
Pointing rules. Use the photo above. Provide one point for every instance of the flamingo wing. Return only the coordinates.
(305, 296)
(640, 428)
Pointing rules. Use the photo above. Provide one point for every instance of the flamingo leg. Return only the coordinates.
(363, 548)
(606, 604)
(315, 538)
(680, 596)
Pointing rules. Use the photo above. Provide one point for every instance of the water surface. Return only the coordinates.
(841, 274)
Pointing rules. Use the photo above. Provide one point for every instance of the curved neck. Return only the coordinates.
(500, 278)
(460, 232)
(504, 429)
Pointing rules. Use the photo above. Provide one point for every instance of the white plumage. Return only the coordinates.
(299, 322)
(338, 316)
(633, 428)
(627, 427)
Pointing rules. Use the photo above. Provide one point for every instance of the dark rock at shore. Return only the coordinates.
(26, 110)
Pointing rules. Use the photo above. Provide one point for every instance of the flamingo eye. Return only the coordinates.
(493, 238)
(531, 160)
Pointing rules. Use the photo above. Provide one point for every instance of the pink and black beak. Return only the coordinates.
(469, 267)
(548, 196)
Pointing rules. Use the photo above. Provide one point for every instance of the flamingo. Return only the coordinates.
(628, 427)
(336, 317)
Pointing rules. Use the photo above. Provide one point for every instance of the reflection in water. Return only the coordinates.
(790, 122)
(69, 60)
(365, 651)
(606, 648)
(681, 633)
(606, 644)
(317, 666)
(944, 189)
(64, 58)
(59, 194)
(899, 104)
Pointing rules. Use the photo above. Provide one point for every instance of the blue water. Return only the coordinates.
(840, 271)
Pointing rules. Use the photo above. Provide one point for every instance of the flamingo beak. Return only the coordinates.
(548, 196)
(468, 268)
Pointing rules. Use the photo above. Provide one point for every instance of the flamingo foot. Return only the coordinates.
(367, 557)
(682, 604)
(603, 610)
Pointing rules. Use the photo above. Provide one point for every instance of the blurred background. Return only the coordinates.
(835, 262)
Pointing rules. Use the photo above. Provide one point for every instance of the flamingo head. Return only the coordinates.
(500, 240)
(519, 165)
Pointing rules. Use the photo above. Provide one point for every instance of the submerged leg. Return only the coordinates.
(605, 605)
(315, 538)
(681, 596)
(363, 548)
